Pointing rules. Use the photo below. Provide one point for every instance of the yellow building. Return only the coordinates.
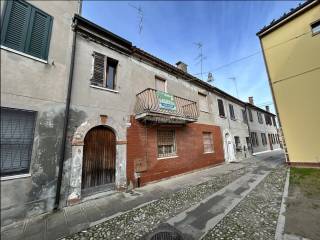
(291, 49)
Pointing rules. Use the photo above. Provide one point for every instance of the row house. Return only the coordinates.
(84, 111)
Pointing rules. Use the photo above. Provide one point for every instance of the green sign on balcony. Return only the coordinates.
(166, 101)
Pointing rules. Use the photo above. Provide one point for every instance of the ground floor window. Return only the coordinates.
(254, 139)
(264, 139)
(237, 142)
(17, 132)
(207, 142)
(166, 143)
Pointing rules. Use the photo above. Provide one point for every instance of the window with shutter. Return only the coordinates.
(221, 108)
(232, 116)
(203, 103)
(244, 116)
(26, 29)
(17, 133)
(166, 143)
(207, 142)
(250, 115)
(160, 84)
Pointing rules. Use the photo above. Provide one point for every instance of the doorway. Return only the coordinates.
(99, 158)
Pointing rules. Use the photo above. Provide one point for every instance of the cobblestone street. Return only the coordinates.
(255, 217)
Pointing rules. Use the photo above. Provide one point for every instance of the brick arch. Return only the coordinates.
(77, 145)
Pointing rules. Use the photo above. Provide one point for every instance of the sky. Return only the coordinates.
(226, 29)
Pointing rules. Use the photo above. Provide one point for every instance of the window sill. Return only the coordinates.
(104, 89)
(15, 177)
(207, 152)
(222, 116)
(205, 111)
(174, 156)
(23, 54)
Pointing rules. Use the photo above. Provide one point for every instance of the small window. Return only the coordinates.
(160, 84)
(274, 121)
(26, 29)
(203, 103)
(260, 119)
(207, 142)
(166, 143)
(315, 27)
(237, 142)
(263, 139)
(221, 108)
(244, 116)
(104, 71)
(232, 116)
(250, 115)
(17, 134)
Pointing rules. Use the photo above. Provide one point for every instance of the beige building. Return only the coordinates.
(291, 47)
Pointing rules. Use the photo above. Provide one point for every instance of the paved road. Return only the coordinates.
(176, 201)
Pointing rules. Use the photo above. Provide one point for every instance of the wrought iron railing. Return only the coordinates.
(149, 102)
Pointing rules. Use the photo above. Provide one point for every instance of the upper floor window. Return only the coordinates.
(274, 121)
(232, 116)
(203, 103)
(26, 29)
(260, 119)
(161, 84)
(104, 71)
(267, 119)
(17, 133)
(315, 27)
(244, 116)
(221, 108)
(250, 115)
(207, 142)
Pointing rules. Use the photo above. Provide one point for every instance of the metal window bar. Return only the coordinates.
(166, 143)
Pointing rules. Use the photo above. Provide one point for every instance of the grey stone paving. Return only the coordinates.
(134, 224)
(255, 217)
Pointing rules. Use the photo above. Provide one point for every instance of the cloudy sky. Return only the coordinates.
(226, 29)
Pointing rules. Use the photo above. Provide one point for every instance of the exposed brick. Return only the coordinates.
(142, 148)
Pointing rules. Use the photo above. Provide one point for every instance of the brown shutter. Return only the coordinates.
(98, 76)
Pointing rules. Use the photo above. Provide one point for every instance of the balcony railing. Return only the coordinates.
(154, 105)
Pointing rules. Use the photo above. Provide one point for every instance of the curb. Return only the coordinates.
(279, 235)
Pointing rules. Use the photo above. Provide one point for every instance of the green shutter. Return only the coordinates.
(38, 34)
(15, 25)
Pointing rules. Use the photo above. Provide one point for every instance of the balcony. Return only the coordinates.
(160, 107)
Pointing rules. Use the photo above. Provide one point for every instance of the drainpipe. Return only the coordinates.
(66, 120)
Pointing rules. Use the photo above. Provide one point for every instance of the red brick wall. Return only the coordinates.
(142, 148)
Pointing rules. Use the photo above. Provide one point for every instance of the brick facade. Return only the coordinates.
(142, 151)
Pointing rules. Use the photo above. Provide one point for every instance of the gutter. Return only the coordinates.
(66, 120)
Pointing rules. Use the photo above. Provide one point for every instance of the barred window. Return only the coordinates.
(17, 132)
(207, 142)
(166, 143)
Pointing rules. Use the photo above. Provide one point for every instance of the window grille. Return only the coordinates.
(207, 142)
(166, 143)
(17, 133)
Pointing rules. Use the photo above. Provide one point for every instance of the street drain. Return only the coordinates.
(164, 232)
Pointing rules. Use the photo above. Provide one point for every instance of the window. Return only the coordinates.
(237, 142)
(161, 84)
(315, 27)
(254, 139)
(248, 143)
(244, 116)
(264, 139)
(17, 132)
(232, 116)
(274, 121)
(250, 115)
(221, 108)
(104, 71)
(207, 142)
(166, 143)
(267, 119)
(26, 29)
(260, 119)
(203, 103)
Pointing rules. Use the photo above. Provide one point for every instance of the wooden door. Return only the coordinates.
(99, 157)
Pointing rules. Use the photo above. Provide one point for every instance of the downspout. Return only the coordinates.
(66, 119)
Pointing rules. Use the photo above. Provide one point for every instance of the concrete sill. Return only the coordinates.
(15, 177)
(104, 89)
(161, 158)
(207, 152)
(23, 54)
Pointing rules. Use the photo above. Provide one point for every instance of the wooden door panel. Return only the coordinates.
(99, 157)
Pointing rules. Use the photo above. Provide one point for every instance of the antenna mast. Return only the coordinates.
(200, 57)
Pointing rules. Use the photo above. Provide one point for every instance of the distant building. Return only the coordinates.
(291, 48)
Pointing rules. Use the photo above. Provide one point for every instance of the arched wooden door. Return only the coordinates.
(99, 158)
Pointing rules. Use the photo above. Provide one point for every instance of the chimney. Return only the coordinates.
(182, 66)
(251, 100)
(267, 109)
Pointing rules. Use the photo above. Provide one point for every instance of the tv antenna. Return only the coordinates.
(200, 57)
(140, 16)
